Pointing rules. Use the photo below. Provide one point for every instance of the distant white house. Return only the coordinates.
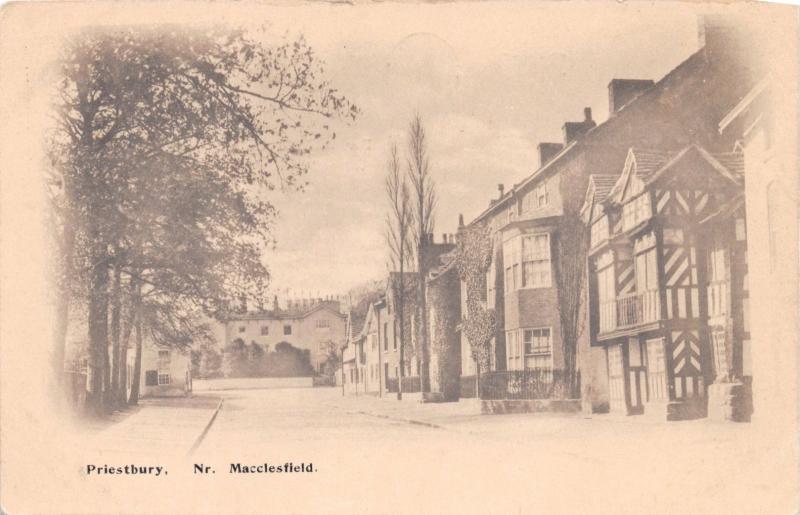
(310, 324)
(165, 372)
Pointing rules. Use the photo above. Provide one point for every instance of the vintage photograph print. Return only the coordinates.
(360, 258)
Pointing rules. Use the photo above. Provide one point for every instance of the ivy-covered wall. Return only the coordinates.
(444, 304)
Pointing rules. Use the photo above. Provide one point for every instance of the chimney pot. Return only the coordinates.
(573, 130)
(501, 189)
(461, 220)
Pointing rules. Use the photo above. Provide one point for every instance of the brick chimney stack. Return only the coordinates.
(572, 130)
(547, 151)
(623, 91)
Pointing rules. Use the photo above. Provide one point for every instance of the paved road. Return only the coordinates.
(489, 464)
(259, 418)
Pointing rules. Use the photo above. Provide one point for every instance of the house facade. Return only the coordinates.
(534, 222)
(390, 334)
(355, 347)
(310, 324)
(165, 372)
(371, 355)
(667, 289)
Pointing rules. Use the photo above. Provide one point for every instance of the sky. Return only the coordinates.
(490, 82)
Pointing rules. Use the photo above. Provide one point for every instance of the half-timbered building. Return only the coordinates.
(668, 277)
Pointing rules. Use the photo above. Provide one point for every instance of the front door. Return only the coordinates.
(656, 371)
(636, 376)
(616, 379)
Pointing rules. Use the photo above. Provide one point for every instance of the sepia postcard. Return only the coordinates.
(340, 257)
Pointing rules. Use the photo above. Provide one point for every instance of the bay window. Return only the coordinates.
(529, 349)
(526, 260)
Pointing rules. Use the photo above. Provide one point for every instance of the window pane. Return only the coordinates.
(652, 277)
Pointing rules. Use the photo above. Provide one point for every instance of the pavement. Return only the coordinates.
(156, 427)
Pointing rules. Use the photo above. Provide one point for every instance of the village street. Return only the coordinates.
(413, 457)
(534, 459)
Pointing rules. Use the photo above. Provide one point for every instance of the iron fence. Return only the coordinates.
(538, 383)
(391, 384)
(410, 384)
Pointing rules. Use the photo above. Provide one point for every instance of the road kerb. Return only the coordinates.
(202, 435)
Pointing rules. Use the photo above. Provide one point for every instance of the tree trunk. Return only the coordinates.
(98, 331)
(477, 380)
(424, 372)
(570, 270)
(401, 312)
(122, 394)
(137, 361)
(137, 364)
(116, 308)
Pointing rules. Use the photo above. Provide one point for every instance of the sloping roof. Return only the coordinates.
(358, 313)
(733, 161)
(694, 86)
(601, 184)
(746, 102)
(641, 163)
(706, 156)
(648, 161)
(648, 165)
(725, 210)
